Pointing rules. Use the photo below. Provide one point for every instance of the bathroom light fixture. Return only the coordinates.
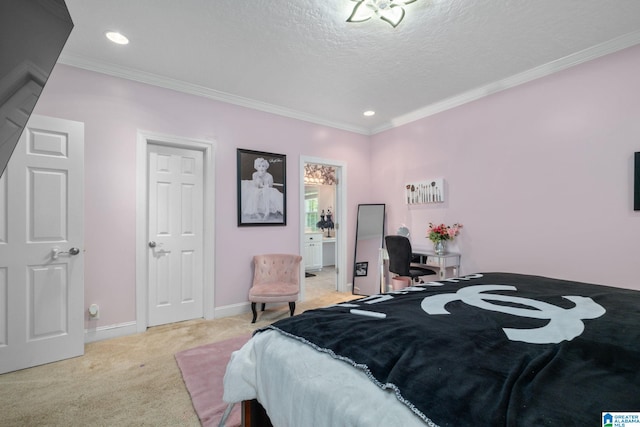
(369, 113)
(390, 11)
(117, 37)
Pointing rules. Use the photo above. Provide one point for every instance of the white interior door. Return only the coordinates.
(175, 261)
(14, 113)
(41, 238)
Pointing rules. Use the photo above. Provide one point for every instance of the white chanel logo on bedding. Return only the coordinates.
(564, 324)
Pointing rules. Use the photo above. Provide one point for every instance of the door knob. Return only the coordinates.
(55, 252)
(152, 244)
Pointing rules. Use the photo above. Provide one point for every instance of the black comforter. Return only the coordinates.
(492, 349)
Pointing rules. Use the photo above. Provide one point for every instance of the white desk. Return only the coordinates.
(430, 259)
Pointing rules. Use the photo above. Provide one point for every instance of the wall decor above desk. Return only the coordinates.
(429, 191)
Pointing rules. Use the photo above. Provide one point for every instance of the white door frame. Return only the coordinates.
(340, 218)
(145, 138)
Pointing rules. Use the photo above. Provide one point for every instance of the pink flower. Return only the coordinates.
(440, 232)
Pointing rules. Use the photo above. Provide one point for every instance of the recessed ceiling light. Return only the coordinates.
(369, 113)
(116, 37)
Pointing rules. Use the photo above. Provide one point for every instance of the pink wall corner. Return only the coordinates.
(114, 109)
(540, 175)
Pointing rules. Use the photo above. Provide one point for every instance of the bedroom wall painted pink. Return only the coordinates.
(540, 175)
(113, 109)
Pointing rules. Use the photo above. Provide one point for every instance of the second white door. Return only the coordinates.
(175, 203)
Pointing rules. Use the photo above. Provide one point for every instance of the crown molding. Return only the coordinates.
(192, 89)
(569, 61)
(614, 45)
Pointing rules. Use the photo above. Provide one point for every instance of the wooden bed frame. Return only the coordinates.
(254, 415)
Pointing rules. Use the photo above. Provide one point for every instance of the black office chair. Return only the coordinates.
(400, 256)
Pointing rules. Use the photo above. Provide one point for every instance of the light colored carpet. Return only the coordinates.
(132, 380)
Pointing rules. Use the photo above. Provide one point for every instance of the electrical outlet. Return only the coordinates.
(94, 312)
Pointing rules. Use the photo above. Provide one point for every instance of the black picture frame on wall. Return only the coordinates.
(636, 183)
(262, 188)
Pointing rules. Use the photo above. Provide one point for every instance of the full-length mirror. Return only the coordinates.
(369, 238)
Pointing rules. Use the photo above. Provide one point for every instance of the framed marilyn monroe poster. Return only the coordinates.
(262, 188)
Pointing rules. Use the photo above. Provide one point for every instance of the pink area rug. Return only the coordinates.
(203, 371)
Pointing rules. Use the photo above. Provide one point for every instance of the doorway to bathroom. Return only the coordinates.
(322, 230)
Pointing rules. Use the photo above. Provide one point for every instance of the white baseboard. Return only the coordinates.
(110, 331)
(122, 329)
(232, 310)
(241, 308)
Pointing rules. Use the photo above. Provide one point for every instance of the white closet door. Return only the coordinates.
(175, 268)
(41, 239)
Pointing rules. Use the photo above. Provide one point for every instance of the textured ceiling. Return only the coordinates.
(300, 58)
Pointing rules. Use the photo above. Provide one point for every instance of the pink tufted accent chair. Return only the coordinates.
(276, 278)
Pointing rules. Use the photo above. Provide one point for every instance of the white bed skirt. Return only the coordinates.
(300, 386)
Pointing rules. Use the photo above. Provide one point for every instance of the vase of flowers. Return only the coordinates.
(439, 247)
(439, 234)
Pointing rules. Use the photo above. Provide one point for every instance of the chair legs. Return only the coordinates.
(292, 309)
(255, 313)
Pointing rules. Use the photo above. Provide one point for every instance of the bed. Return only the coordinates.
(488, 349)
